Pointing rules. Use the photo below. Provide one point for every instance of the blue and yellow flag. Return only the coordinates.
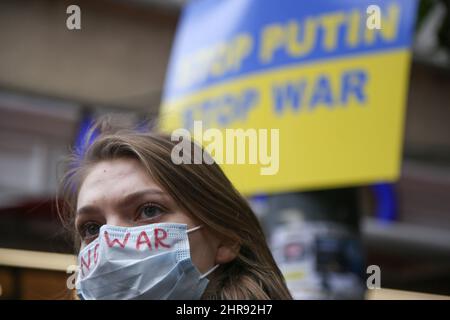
(331, 76)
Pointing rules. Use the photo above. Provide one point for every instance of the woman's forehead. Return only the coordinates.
(114, 179)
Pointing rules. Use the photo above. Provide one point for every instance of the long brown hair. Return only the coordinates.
(204, 191)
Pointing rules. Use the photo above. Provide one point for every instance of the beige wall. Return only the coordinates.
(118, 58)
(428, 111)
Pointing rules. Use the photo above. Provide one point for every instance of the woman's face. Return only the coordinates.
(121, 193)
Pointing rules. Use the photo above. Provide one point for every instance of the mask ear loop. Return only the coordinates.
(194, 229)
(210, 271)
(213, 268)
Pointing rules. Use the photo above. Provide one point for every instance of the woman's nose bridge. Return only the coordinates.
(119, 221)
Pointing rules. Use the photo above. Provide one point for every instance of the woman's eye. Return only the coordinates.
(90, 230)
(149, 211)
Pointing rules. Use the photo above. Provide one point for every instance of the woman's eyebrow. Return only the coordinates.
(135, 196)
(88, 209)
(127, 200)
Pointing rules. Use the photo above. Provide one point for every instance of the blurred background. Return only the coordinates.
(54, 81)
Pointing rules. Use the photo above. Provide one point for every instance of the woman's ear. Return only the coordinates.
(227, 252)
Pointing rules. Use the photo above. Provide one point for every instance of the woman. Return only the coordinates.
(151, 229)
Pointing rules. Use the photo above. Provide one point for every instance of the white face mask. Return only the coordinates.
(145, 262)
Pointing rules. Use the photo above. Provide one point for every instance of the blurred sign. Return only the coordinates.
(319, 260)
(332, 76)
